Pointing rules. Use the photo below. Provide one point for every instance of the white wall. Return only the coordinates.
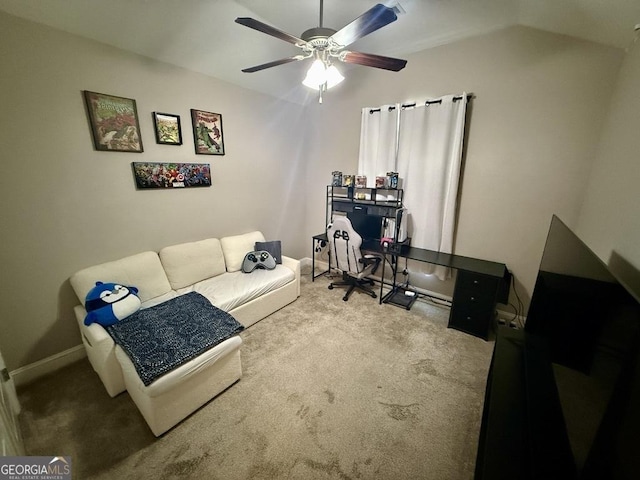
(66, 206)
(610, 217)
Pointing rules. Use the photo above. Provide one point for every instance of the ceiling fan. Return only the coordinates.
(326, 44)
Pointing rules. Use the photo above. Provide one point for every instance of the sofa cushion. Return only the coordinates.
(158, 300)
(189, 263)
(143, 271)
(237, 246)
(231, 290)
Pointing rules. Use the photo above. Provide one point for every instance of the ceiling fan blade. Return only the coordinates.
(275, 63)
(269, 30)
(371, 60)
(376, 17)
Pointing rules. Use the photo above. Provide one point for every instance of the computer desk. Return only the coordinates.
(479, 285)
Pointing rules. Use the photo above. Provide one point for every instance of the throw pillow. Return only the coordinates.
(106, 303)
(274, 248)
(235, 248)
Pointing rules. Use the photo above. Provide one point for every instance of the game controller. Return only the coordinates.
(258, 259)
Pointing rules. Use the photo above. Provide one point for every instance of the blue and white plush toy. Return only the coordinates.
(106, 303)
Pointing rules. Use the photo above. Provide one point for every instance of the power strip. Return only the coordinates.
(511, 323)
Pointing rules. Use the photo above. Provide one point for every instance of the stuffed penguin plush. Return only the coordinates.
(106, 303)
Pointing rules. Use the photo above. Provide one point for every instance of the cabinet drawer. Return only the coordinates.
(472, 308)
(475, 300)
(475, 322)
(476, 284)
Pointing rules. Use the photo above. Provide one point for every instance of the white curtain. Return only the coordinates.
(430, 140)
(378, 141)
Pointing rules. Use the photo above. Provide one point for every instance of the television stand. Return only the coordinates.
(523, 433)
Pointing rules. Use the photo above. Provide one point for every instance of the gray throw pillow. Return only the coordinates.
(274, 248)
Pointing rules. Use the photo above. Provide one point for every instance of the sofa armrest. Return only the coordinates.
(100, 349)
(94, 334)
(294, 265)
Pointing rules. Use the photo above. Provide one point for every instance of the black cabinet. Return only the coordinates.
(474, 302)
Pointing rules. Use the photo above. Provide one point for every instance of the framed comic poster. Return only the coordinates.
(167, 128)
(114, 122)
(171, 175)
(207, 132)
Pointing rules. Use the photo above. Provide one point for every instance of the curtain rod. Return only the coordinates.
(427, 103)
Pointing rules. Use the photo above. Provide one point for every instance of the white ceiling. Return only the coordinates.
(201, 35)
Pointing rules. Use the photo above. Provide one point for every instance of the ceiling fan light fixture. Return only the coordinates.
(333, 76)
(319, 74)
(316, 75)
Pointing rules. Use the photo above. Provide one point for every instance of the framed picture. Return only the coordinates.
(167, 128)
(114, 122)
(171, 175)
(207, 132)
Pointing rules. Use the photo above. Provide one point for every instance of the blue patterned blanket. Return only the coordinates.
(160, 338)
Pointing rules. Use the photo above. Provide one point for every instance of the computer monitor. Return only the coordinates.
(369, 227)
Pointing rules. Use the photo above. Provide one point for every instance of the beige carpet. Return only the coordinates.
(331, 390)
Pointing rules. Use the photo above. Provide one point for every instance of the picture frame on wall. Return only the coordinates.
(163, 175)
(167, 128)
(207, 132)
(114, 122)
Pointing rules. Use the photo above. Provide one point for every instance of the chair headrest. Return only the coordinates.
(342, 227)
(342, 223)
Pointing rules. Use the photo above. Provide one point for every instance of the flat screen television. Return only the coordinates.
(592, 324)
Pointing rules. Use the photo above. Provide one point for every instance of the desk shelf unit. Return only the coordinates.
(383, 202)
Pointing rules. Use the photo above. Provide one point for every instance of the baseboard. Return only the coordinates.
(306, 264)
(33, 371)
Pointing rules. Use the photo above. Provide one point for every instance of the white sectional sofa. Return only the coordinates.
(211, 267)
